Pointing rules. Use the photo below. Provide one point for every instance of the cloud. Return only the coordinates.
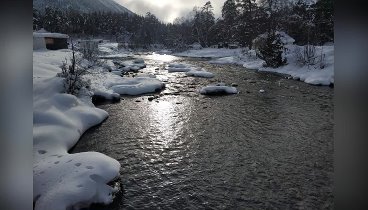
(168, 10)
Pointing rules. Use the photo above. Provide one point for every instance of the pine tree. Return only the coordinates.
(271, 51)
(230, 16)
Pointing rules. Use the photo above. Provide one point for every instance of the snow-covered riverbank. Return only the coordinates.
(310, 74)
(63, 180)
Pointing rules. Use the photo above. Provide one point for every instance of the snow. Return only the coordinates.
(62, 180)
(173, 69)
(107, 84)
(200, 73)
(284, 37)
(190, 70)
(50, 35)
(179, 67)
(209, 53)
(255, 64)
(109, 65)
(218, 89)
(176, 65)
(47, 63)
(137, 86)
(226, 60)
(312, 74)
(309, 74)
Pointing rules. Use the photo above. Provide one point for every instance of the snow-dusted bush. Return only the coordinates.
(73, 72)
(270, 49)
(307, 56)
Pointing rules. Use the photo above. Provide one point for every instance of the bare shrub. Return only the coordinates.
(306, 56)
(73, 72)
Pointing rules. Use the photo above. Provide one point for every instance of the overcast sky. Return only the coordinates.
(168, 10)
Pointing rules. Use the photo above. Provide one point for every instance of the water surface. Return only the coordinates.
(271, 150)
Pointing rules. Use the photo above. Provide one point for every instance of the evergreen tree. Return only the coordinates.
(203, 22)
(228, 24)
(271, 51)
(324, 21)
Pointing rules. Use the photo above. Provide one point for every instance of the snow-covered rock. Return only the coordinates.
(200, 73)
(179, 67)
(176, 65)
(255, 64)
(137, 86)
(218, 89)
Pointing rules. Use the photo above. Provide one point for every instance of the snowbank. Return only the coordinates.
(62, 180)
(209, 53)
(226, 60)
(47, 63)
(313, 74)
(218, 89)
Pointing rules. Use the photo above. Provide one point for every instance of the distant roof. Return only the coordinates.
(44, 33)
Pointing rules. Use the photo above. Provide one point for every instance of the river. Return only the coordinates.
(252, 150)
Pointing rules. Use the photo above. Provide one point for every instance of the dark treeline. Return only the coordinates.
(241, 21)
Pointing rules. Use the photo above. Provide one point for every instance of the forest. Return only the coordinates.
(241, 22)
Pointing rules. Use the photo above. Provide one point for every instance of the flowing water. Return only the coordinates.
(252, 150)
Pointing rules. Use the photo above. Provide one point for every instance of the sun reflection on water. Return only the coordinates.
(161, 57)
(163, 123)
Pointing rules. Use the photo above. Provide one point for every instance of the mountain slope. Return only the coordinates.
(84, 6)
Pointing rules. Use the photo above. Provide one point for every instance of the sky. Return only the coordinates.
(168, 10)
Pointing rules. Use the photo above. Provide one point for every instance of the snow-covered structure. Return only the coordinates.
(52, 41)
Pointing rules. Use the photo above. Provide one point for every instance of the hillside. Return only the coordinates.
(84, 6)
